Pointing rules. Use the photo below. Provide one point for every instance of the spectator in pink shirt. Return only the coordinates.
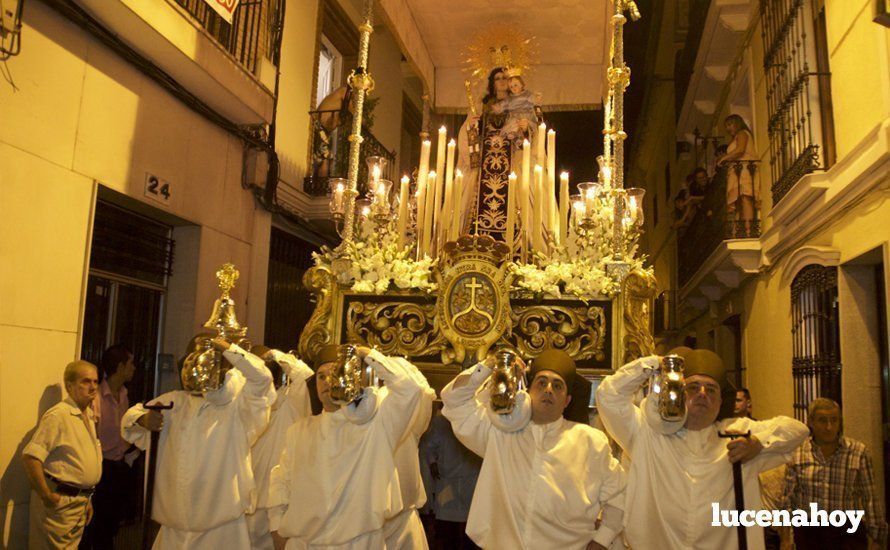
(111, 403)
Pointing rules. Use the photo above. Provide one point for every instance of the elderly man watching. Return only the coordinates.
(836, 473)
(544, 479)
(63, 461)
(679, 469)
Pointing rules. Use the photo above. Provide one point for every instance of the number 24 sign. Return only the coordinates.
(157, 189)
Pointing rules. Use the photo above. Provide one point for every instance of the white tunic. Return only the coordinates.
(540, 487)
(674, 479)
(204, 479)
(333, 485)
(291, 404)
(404, 529)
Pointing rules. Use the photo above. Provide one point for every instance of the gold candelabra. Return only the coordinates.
(361, 82)
(618, 76)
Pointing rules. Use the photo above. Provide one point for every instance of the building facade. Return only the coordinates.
(795, 301)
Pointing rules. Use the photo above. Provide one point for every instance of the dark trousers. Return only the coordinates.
(451, 535)
(835, 538)
(110, 503)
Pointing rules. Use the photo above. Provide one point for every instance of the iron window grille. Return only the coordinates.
(815, 332)
(798, 93)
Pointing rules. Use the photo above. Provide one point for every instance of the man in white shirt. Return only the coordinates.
(291, 404)
(63, 461)
(204, 482)
(333, 486)
(544, 479)
(679, 469)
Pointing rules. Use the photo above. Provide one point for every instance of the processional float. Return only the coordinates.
(414, 278)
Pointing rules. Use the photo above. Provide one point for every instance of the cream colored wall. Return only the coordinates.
(385, 66)
(82, 115)
(298, 57)
(860, 70)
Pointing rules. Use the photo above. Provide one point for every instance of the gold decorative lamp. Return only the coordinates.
(204, 368)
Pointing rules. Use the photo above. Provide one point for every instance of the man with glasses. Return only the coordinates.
(679, 469)
(544, 479)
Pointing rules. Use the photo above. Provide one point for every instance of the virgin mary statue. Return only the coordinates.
(488, 152)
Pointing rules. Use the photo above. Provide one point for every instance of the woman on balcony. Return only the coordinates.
(742, 195)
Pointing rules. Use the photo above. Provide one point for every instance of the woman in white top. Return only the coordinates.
(742, 194)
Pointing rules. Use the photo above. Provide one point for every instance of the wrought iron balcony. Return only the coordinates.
(713, 223)
(250, 34)
(330, 152)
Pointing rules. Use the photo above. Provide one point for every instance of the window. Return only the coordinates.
(330, 64)
(816, 363)
(795, 62)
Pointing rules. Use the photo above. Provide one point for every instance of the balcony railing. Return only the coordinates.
(251, 32)
(330, 153)
(713, 223)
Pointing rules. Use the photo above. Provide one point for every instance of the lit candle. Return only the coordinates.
(422, 173)
(444, 229)
(540, 157)
(375, 175)
(454, 212)
(525, 185)
(337, 199)
(440, 152)
(538, 209)
(511, 210)
(564, 206)
(403, 211)
(552, 217)
(429, 224)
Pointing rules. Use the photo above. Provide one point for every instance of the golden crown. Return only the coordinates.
(501, 46)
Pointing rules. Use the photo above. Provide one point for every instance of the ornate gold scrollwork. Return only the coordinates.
(579, 330)
(639, 290)
(320, 282)
(395, 328)
(473, 306)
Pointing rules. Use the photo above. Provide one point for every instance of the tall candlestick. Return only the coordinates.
(440, 153)
(437, 193)
(538, 209)
(403, 211)
(564, 207)
(526, 186)
(429, 213)
(444, 229)
(540, 140)
(511, 210)
(552, 216)
(454, 212)
(422, 174)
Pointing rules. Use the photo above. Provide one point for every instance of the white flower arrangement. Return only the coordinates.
(378, 264)
(579, 272)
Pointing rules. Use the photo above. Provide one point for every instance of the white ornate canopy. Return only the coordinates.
(571, 37)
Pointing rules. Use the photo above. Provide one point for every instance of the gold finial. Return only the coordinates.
(227, 276)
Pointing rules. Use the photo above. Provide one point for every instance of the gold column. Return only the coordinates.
(619, 78)
(361, 83)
